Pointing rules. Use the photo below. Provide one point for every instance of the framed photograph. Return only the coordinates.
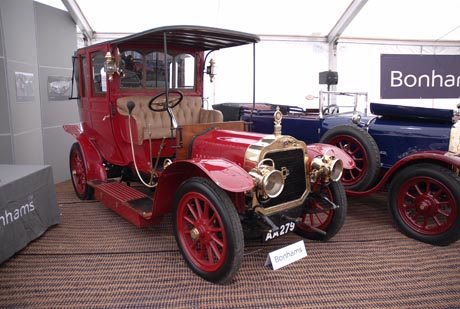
(59, 88)
(24, 87)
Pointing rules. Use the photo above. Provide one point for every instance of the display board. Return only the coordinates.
(28, 206)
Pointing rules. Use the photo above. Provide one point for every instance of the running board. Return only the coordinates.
(131, 204)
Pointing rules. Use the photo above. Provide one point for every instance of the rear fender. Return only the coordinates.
(432, 156)
(225, 174)
(319, 149)
(93, 159)
(447, 158)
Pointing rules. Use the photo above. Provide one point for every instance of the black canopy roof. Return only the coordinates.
(196, 37)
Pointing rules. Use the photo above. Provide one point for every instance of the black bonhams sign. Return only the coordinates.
(419, 76)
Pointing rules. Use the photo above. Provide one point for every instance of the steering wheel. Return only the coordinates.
(158, 103)
(331, 109)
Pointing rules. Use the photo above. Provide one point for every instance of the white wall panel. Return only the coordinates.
(285, 73)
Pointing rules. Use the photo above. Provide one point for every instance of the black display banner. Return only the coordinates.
(28, 206)
(419, 76)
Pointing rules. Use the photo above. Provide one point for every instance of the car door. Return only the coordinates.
(100, 107)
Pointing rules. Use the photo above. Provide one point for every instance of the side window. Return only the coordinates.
(155, 69)
(76, 72)
(81, 82)
(184, 71)
(133, 69)
(98, 73)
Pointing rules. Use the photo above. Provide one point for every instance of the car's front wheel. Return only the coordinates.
(424, 203)
(208, 230)
(363, 149)
(78, 173)
(322, 221)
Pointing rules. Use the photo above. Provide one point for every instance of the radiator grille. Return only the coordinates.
(295, 183)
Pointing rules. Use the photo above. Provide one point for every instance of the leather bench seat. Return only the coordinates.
(157, 124)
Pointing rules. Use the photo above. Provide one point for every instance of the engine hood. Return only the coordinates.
(228, 144)
(244, 148)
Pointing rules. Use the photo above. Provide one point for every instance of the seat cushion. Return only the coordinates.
(158, 124)
(148, 123)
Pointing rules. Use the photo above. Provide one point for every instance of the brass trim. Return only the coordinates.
(284, 206)
(278, 116)
(194, 233)
(269, 144)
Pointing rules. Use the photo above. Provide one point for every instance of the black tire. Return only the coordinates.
(330, 221)
(424, 203)
(363, 149)
(78, 173)
(213, 249)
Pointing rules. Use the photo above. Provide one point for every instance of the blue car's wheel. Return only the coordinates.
(364, 151)
(424, 203)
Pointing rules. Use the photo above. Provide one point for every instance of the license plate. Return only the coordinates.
(282, 230)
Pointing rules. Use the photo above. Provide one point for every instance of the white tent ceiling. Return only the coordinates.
(426, 20)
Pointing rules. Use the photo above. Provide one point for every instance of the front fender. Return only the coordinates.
(319, 149)
(225, 174)
(93, 160)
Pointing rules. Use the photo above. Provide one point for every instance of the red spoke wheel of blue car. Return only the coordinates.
(364, 151)
(424, 203)
(78, 173)
(356, 150)
(320, 216)
(208, 230)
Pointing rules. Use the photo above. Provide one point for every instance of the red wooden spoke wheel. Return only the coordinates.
(208, 230)
(364, 151)
(202, 232)
(319, 214)
(319, 219)
(424, 203)
(78, 173)
(356, 151)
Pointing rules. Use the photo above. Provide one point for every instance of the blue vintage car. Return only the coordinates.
(412, 152)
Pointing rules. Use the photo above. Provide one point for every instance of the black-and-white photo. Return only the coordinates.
(24, 87)
(59, 88)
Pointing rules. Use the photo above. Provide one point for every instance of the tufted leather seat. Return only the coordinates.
(157, 124)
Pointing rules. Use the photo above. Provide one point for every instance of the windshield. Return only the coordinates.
(146, 69)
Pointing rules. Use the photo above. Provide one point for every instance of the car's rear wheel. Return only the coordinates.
(424, 203)
(78, 173)
(208, 230)
(364, 151)
(320, 215)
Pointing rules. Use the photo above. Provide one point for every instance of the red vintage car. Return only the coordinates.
(146, 147)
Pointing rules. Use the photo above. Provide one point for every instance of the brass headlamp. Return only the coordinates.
(269, 181)
(326, 168)
(110, 65)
